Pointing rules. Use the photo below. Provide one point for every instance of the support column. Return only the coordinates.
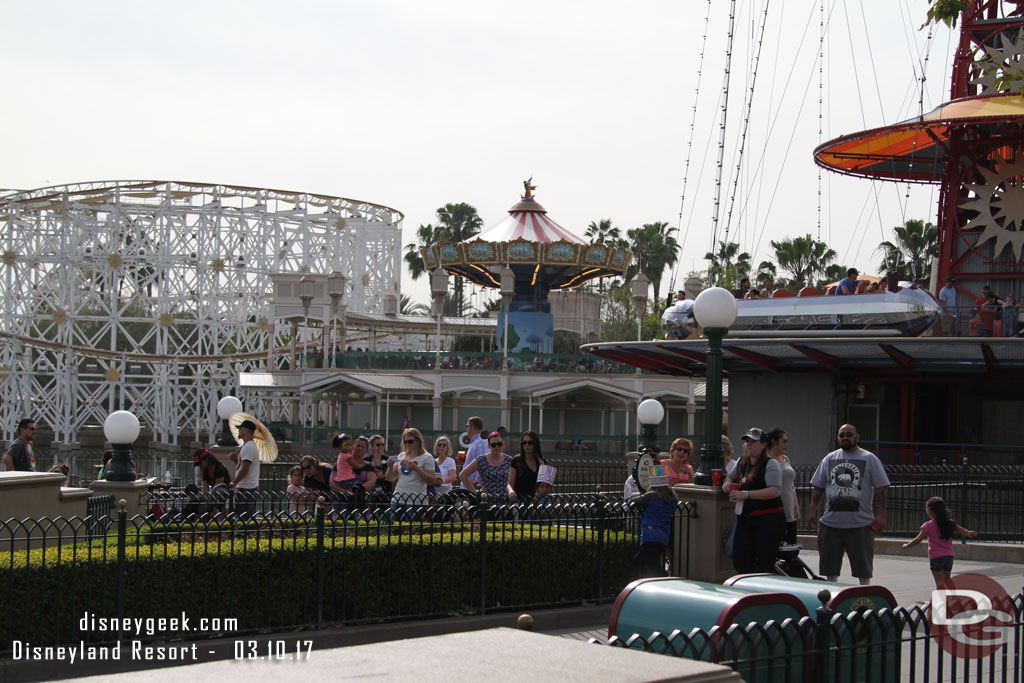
(708, 532)
(691, 412)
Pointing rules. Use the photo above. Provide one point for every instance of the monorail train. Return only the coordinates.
(908, 312)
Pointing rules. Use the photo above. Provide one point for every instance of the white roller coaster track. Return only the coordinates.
(152, 296)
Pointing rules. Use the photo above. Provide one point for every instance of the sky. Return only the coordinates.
(609, 107)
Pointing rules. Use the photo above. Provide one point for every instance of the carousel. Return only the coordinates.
(534, 256)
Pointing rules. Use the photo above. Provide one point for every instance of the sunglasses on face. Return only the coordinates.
(842, 434)
(377, 445)
(496, 444)
(527, 443)
(442, 445)
(408, 441)
(30, 429)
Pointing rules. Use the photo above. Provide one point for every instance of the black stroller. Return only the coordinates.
(788, 563)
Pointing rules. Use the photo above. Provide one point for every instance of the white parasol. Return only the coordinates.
(264, 440)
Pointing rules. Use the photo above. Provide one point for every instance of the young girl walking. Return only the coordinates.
(939, 531)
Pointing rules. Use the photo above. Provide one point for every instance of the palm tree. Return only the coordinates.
(602, 232)
(425, 235)
(458, 223)
(654, 249)
(455, 223)
(726, 265)
(805, 258)
(406, 306)
(911, 256)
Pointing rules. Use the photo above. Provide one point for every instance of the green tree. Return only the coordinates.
(654, 249)
(911, 254)
(406, 306)
(726, 267)
(426, 235)
(804, 258)
(455, 223)
(618, 316)
(603, 232)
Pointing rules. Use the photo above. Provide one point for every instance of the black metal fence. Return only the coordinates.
(878, 647)
(268, 569)
(986, 499)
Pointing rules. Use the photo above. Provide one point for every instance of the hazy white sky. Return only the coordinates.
(414, 104)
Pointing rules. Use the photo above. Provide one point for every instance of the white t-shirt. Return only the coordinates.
(410, 487)
(447, 467)
(251, 454)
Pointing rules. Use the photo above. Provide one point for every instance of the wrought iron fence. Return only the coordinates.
(269, 568)
(878, 647)
(986, 499)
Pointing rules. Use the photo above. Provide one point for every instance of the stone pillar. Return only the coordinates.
(708, 532)
(132, 492)
(437, 403)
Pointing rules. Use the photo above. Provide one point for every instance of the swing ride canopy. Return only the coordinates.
(916, 150)
(541, 253)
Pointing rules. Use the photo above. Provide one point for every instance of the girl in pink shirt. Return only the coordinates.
(344, 475)
(939, 531)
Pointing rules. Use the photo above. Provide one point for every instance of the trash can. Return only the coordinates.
(664, 605)
(863, 649)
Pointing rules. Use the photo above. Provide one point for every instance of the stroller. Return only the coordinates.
(788, 563)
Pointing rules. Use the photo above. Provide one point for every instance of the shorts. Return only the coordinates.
(858, 544)
(941, 564)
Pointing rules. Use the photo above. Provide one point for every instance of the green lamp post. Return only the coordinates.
(715, 309)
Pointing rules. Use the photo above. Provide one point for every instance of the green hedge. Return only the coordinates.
(269, 583)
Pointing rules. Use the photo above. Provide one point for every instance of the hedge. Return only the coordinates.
(271, 583)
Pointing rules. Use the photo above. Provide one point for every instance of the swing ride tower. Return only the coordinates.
(971, 146)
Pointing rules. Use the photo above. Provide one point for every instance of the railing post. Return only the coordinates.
(601, 511)
(822, 637)
(482, 507)
(964, 466)
(122, 542)
(320, 514)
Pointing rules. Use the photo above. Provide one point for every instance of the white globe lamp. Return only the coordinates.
(121, 429)
(226, 407)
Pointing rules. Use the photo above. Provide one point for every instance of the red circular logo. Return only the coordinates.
(970, 616)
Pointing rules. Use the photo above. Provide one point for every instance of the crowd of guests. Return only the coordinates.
(419, 475)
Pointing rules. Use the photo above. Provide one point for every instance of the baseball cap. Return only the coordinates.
(754, 434)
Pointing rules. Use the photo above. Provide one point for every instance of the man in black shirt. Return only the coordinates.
(19, 457)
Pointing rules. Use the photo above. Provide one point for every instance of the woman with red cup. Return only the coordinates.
(755, 487)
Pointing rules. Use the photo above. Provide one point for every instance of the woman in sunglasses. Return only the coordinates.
(522, 474)
(411, 473)
(378, 458)
(678, 467)
(493, 469)
(316, 476)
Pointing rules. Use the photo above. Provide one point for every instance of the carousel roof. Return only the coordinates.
(538, 250)
(917, 149)
(528, 220)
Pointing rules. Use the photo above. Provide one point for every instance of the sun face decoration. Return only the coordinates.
(1000, 206)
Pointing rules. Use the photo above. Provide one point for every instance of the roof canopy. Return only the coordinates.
(916, 149)
(921, 358)
(530, 242)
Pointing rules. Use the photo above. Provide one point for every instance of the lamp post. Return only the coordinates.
(121, 429)
(715, 309)
(306, 295)
(226, 407)
(335, 290)
(508, 288)
(640, 286)
(438, 287)
(650, 413)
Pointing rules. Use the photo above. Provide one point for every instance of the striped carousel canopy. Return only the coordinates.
(539, 251)
(528, 220)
